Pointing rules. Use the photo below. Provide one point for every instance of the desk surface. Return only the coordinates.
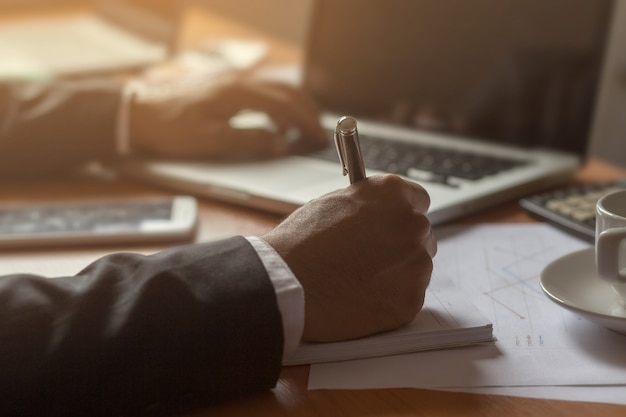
(291, 396)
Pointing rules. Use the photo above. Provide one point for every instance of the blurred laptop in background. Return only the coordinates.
(110, 35)
(479, 101)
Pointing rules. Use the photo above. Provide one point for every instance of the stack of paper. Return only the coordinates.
(446, 320)
(542, 350)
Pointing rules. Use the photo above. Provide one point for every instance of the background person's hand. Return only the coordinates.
(195, 122)
(363, 256)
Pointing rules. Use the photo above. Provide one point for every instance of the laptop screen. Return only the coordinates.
(516, 71)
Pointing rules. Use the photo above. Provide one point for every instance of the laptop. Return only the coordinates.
(479, 102)
(112, 35)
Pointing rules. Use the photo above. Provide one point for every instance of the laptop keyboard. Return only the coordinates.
(425, 163)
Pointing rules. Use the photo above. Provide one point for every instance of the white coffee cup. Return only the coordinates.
(611, 242)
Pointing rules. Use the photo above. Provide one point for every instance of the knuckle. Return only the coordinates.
(391, 182)
(412, 306)
(411, 297)
(419, 225)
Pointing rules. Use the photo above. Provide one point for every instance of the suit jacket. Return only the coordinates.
(130, 334)
(134, 334)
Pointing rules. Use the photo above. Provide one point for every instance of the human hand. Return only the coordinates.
(194, 121)
(363, 255)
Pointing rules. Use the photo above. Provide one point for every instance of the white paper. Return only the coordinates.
(72, 44)
(447, 319)
(539, 343)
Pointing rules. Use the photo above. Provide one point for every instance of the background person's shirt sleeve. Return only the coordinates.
(48, 128)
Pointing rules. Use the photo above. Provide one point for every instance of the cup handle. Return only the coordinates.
(607, 255)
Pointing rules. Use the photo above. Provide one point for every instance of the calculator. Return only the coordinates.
(572, 209)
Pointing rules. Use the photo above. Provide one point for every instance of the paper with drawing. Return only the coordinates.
(539, 343)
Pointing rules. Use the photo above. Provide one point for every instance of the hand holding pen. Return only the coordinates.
(362, 253)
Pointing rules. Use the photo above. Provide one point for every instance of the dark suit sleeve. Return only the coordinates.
(49, 128)
(135, 335)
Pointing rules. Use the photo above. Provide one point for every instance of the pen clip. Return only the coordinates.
(341, 151)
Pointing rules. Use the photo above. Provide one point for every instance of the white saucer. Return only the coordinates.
(572, 283)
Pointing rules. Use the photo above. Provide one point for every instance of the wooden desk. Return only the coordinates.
(291, 396)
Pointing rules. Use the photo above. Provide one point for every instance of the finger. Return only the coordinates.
(418, 196)
(422, 233)
(414, 193)
(300, 96)
(263, 97)
(293, 93)
(226, 142)
(288, 108)
(301, 124)
(306, 133)
(430, 243)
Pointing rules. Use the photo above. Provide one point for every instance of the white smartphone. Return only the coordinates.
(134, 220)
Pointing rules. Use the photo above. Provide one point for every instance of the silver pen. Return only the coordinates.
(349, 149)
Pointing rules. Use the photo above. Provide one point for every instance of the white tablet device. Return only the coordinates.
(136, 220)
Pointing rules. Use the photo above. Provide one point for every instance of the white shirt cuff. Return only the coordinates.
(129, 90)
(289, 294)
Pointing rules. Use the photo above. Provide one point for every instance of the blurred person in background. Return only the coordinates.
(202, 323)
